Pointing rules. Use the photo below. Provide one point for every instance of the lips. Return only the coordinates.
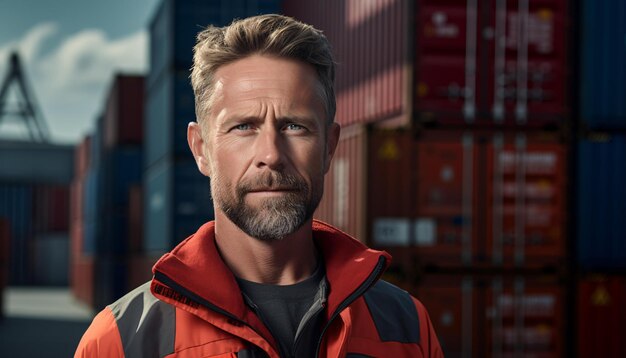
(264, 190)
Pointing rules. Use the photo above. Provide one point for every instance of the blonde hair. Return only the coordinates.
(274, 35)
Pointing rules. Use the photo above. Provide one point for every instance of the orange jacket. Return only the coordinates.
(193, 308)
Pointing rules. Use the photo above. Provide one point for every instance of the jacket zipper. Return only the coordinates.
(168, 281)
(260, 315)
(373, 277)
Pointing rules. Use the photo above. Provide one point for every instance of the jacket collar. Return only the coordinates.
(195, 264)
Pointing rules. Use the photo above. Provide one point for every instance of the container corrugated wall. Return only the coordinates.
(177, 202)
(603, 55)
(35, 212)
(468, 198)
(169, 96)
(602, 202)
(518, 315)
(370, 41)
(472, 65)
(121, 170)
(343, 204)
(30, 163)
(16, 204)
(176, 199)
(123, 122)
(601, 316)
(81, 266)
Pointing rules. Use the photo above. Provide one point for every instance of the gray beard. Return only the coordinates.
(276, 217)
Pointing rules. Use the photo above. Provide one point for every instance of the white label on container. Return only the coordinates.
(391, 231)
(425, 231)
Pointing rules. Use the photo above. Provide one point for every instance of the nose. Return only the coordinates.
(269, 149)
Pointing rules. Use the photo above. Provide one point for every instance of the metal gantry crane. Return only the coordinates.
(25, 111)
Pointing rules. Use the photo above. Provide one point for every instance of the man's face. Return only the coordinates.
(268, 144)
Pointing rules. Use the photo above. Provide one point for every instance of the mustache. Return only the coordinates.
(272, 180)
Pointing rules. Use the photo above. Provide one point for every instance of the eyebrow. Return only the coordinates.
(309, 120)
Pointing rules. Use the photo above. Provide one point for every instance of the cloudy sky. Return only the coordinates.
(70, 50)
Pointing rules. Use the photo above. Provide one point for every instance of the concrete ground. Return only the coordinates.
(41, 322)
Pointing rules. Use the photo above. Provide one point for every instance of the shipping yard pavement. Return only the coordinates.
(41, 322)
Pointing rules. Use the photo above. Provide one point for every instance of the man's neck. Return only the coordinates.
(279, 262)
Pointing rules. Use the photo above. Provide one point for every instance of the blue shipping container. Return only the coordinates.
(603, 63)
(175, 25)
(97, 144)
(113, 239)
(169, 96)
(110, 280)
(122, 168)
(92, 203)
(159, 121)
(177, 203)
(16, 204)
(602, 203)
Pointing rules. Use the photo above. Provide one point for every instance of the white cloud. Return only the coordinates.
(71, 80)
(30, 44)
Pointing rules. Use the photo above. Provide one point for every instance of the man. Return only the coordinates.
(264, 279)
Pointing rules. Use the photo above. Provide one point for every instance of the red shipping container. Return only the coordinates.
(77, 238)
(495, 315)
(601, 316)
(83, 279)
(135, 218)
(446, 205)
(453, 305)
(524, 317)
(370, 44)
(502, 62)
(526, 188)
(123, 117)
(77, 194)
(444, 195)
(51, 205)
(343, 203)
(81, 157)
(140, 269)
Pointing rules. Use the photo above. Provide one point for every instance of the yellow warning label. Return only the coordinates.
(545, 14)
(422, 89)
(600, 297)
(389, 150)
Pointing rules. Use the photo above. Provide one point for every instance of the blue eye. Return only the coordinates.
(294, 127)
(242, 127)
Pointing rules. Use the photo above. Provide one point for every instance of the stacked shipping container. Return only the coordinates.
(81, 259)
(177, 200)
(34, 198)
(109, 163)
(486, 62)
(451, 158)
(602, 72)
(601, 173)
(470, 199)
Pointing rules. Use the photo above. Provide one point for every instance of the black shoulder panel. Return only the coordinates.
(393, 312)
(251, 353)
(147, 325)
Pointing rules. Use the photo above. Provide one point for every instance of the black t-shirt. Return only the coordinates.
(290, 311)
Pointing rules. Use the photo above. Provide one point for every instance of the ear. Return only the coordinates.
(197, 146)
(334, 131)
